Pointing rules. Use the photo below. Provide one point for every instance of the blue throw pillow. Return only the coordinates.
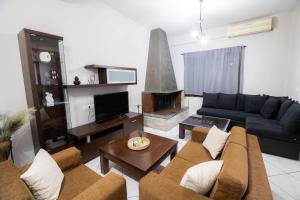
(283, 108)
(290, 121)
(254, 103)
(270, 108)
(210, 100)
(226, 101)
(240, 102)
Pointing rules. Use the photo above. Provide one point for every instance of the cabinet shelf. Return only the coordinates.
(95, 85)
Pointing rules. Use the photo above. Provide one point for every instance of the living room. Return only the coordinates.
(154, 47)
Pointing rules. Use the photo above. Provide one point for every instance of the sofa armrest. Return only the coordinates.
(199, 134)
(155, 187)
(110, 187)
(67, 158)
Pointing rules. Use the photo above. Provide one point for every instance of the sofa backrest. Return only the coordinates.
(11, 186)
(232, 181)
(290, 121)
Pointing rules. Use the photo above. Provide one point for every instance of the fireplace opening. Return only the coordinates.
(161, 103)
(164, 101)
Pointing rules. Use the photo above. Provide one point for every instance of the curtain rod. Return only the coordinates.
(213, 49)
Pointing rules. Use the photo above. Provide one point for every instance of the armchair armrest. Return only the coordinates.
(199, 134)
(67, 158)
(155, 187)
(110, 187)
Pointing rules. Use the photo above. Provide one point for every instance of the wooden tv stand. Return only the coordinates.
(90, 136)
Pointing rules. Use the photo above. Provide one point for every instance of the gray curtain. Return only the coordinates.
(212, 71)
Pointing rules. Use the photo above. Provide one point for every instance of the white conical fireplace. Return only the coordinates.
(162, 102)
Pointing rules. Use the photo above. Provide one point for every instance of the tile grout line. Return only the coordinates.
(282, 190)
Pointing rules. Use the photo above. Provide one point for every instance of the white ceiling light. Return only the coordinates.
(200, 35)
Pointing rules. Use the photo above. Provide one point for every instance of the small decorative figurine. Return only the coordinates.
(49, 99)
(53, 74)
(45, 57)
(76, 81)
(135, 143)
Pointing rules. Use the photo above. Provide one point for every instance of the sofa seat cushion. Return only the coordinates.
(11, 186)
(234, 115)
(77, 180)
(268, 129)
(194, 152)
(176, 169)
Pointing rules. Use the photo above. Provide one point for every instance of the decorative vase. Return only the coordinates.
(5, 149)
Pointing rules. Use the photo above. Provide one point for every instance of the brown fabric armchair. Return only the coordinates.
(79, 182)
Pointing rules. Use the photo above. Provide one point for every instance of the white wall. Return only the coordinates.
(293, 77)
(93, 34)
(266, 57)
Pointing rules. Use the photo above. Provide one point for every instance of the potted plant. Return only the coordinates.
(9, 124)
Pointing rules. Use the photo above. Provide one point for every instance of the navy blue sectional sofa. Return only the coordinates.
(274, 120)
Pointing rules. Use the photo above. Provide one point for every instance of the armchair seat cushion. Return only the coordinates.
(77, 180)
(194, 152)
(268, 129)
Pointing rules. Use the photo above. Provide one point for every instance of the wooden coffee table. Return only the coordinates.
(137, 162)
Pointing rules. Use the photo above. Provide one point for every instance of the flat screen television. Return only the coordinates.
(111, 105)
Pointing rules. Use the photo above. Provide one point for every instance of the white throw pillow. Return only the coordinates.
(215, 141)
(44, 177)
(201, 177)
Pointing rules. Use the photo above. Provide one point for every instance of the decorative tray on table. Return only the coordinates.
(138, 143)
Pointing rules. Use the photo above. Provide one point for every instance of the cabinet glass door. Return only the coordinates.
(115, 76)
(52, 104)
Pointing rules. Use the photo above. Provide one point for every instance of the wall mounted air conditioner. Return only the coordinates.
(250, 27)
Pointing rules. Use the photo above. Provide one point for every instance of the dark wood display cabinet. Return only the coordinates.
(43, 68)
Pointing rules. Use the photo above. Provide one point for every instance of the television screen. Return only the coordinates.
(110, 105)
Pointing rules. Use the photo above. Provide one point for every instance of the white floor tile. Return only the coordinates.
(271, 170)
(286, 165)
(279, 194)
(94, 165)
(296, 176)
(264, 155)
(132, 187)
(288, 184)
(133, 198)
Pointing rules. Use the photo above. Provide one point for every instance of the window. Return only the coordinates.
(213, 71)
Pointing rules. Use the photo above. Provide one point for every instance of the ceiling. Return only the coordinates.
(182, 16)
